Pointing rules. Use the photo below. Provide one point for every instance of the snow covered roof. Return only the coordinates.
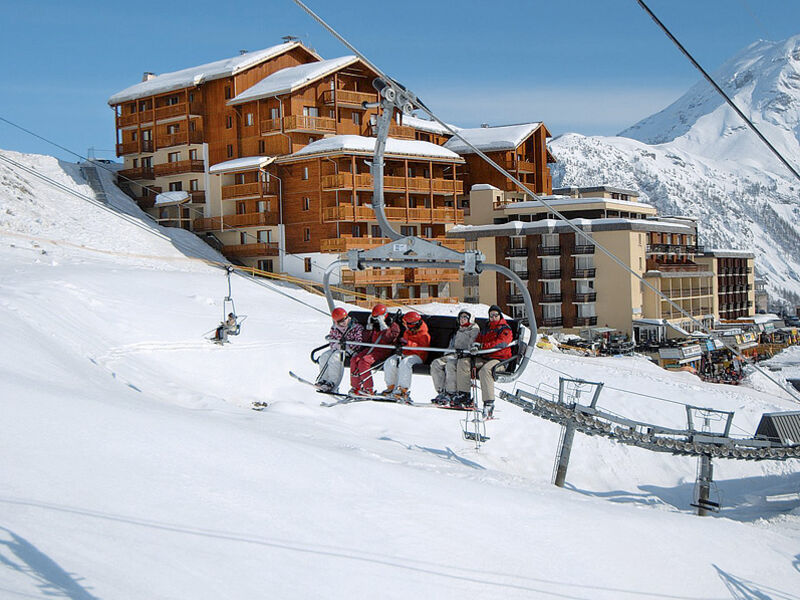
(492, 139)
(568, 200)
(429, 126)
(171, 198)
(357, 143)
(483, 186)
(473, 232)
(193, 76)
(292, 78)
(246, 163)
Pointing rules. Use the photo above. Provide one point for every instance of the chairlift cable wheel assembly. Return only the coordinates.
(396, 95)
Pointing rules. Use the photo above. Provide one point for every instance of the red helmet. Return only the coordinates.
(338, 314)
(412, 318)
(378, 310)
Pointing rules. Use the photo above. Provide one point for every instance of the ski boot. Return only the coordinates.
(461, 400)
(402, 395)
(388, 392)
(324, 386)
(488, 410)
(442, 399)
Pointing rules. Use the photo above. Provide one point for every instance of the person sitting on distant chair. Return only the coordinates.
(443, 369)
(331, 363)
(398, 369)
(226, 328)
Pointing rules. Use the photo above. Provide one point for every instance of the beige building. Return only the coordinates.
(573, 285)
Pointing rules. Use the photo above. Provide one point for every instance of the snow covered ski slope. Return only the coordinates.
(134, 468)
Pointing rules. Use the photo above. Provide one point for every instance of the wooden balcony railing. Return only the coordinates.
(178, 110)
(197, 196)
(373, 277)
(397, 131)
(182, 137)
(345, 243)
(143, 116)
(257, 249)
(311, 124)
(245, 190)
(233, 221)
(432, 275)
(181, 166)
(345, 181)
(410, 301)
(347, 98)
(138, 173)
(127, 148)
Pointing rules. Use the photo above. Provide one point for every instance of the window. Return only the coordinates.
(146, 135)
(135, 162)
(306, 203)
(376, 231)
(228, 94)
(310, 111)
(307, 235)
(133, 135)
(275, 113)
(265, 265)
(147, 162)
(238, 178)
(191, 96)
(242, 237)
(172, 129)
(356, 231)
(228, 122)
(408, 230)
(261, 206)
(241, 208)
(551, 311)
(427, 231)
(193, 154)
(194, 185)
(176, 186)
(262, 147)
(230, 151)
(173, 100)
(264, 236)
(173, 157)
(163, 213)
(132, 108)
(550, 240)
(192, 125)
(305, 172)
(307, 265)
(357, 118)
(248, 119)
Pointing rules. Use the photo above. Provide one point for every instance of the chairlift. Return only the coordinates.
(412, 252)
(231, 323)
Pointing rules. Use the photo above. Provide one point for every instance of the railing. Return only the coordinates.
(257, 249)
(173, 110)
(583, 249)
(347, 97)
(515, 299)
(345, 181)
(197, 196)
(243, 220)
(522, 275)
(689, 293)
(549, 250)
(674, 267)
(516, 252)
(552, 321)
(341, 181)
(471, 280)
(148, 146)
(127, 148)
(138, 173)
(551, 274)
(181, 166)
(585, 321)
(243, 190)
(410, 301)
(373, 276)
(144, 116)
(672, 249)
(584, 273)
(347, 212)
(345, 243)
(432, 275)
(551, 298)
(585, 297)
(472, 299)
(306, 123)
(182, 137)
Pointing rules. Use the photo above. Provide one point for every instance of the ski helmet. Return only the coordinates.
(470, 317)
(378, 310)
(338, 314)
(412, 319)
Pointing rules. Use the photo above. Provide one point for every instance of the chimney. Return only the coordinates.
(242, 52)
(485, 125)
(148, 76)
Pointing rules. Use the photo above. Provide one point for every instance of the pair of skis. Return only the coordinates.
(349, 399)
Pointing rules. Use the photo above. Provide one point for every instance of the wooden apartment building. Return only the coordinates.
(273, 149)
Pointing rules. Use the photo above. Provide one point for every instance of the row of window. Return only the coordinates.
(173, 157)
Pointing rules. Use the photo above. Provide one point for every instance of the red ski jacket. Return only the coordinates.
(420, 337)
(496, 334)
(376, 336)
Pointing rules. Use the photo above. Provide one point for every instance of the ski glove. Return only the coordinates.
(474, 347)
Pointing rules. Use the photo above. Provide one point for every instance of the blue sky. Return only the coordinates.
(590, 66)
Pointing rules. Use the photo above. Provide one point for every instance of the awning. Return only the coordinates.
(247, 163)
(172, 198)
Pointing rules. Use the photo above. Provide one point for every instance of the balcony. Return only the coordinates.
(515, 299)
(471, 280)
(255, 189)
(522, 166)
(234, 221)
(550, 274)
(251, 250)
(345, 243)
(511, 252)
(179, 110)
(363, 181)
(581, 298)
(522, 275)
(348, 212)
(177, 139)
(347, 98)
(397, 131)
(432, 275)
(181, 166)
(197, 196)
(373, 277)
(653, 265)
(144, 116)
(552, 321)
(585, 321)
(551, 299)
(138, 173)
(584, 273)
(549, 250)
(582, 249)
(472, 299)
(127, 148)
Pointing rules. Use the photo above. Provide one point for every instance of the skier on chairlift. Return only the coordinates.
(443, 369)
(381, 329)
(497, 335)
(398, 369)
(331, 363)
(226, 328)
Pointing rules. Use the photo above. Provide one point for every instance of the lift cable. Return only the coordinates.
(719, 90)
(578, 231)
